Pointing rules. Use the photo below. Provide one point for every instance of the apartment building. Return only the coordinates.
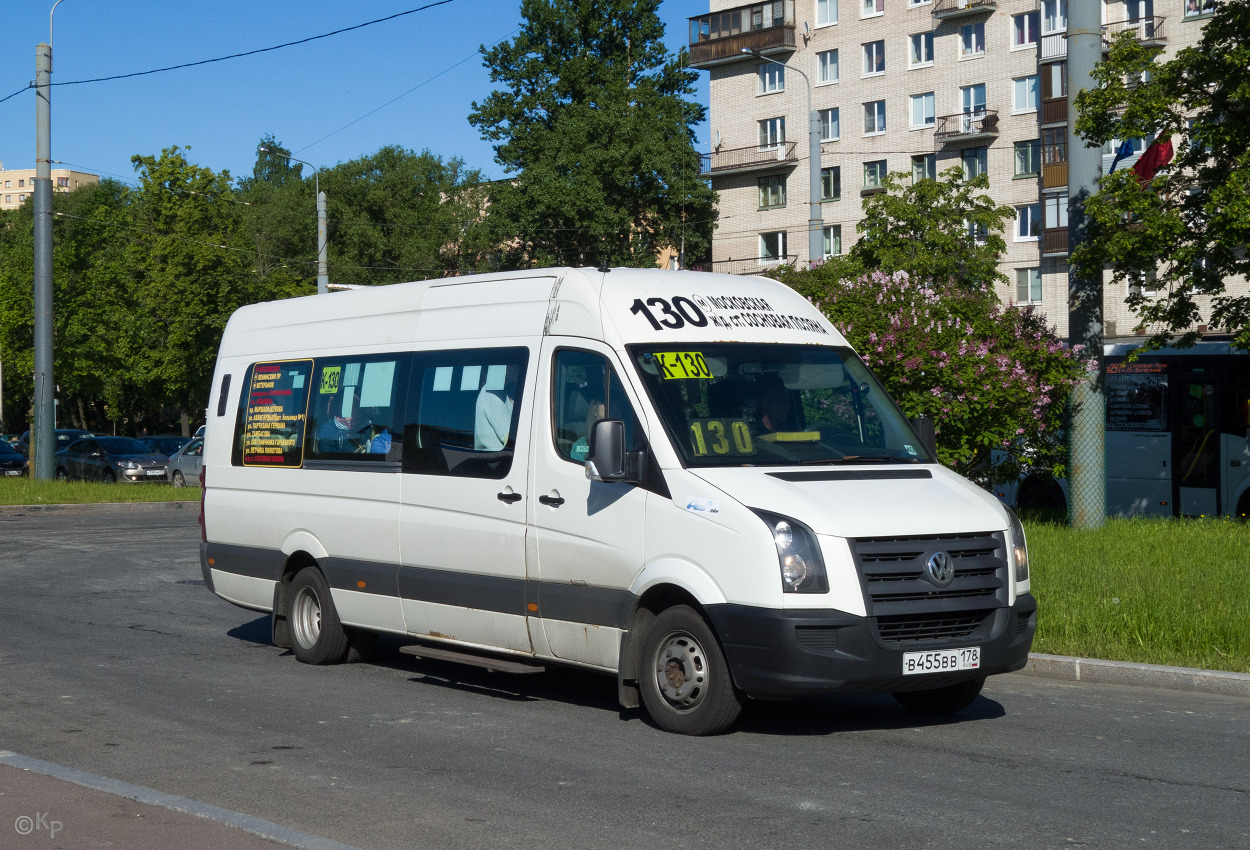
(912, 86)
(18, 185)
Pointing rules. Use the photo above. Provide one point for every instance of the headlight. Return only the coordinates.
(128, 464)
(1019, 549)
(798, 555)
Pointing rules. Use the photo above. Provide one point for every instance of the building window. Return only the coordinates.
(833, 240)
(1198, 7)
(1028, 159)
(8, 184)
(872, 7)
(827, 67)
(972, 101)
(923, 167)
(918, 2)
(1028, 222)
(773, 247)
(21, 183)
(972, 40)
(978, 233)
(772, 133)
(826, 12)
(1025, 97)
(1112, 146)
(831, 183)
(772, 78)
(1055, 208)
(8, 199)
(974, 162)
(1054, 16)
(874, 58)
(1029, 286)
(830, 125)
(772, 191)
(874, 117)
(63, 182)
(1024, 29)
(920, 53)
(874, 174)
(922, 110)
(1054, 146)
(1055, 80)
(1145, 284)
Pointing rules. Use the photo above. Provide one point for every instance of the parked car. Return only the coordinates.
(64, 436)
(10, 439)
(11, 461)
(184, 464)
(165, 444)
(110, 459)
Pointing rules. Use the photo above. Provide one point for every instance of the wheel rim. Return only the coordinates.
(681, 671)
(178, 482)
(306, 617)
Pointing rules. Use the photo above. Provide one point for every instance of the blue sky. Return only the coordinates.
(420, 72)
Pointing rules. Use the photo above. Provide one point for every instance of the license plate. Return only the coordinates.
(942, 660)
(13, 472)
(160, 472)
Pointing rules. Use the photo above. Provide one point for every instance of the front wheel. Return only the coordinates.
(683, 676)
(946, 700)
(317, 636)
(179, 481)
(61, 475)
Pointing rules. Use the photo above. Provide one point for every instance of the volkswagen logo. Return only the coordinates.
(939, 569)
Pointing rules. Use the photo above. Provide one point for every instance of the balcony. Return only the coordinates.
(945, 10)
(967, 127)
(1055, 242)
(747, 265)
(720, 37)
(742, 160)
(1147, 31)
(1054, 46)
(1054, 175)
(1055, 110)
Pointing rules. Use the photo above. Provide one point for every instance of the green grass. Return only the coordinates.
(26, 491)
(1171, 592)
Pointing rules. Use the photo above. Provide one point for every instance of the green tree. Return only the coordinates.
(940, 230)
(1189, 226)
(595, 124)
(988, 376)
(279, 217)
(397, 215)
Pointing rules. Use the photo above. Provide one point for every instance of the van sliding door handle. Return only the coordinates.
(554, 501)
(509, 497)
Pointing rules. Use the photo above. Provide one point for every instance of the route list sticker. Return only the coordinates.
(273, 424)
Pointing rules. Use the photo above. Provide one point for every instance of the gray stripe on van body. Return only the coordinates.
(575, 603)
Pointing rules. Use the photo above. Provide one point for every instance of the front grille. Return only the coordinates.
(907, 607)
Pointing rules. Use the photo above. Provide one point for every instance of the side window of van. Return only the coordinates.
(273, 405)
(463, 408)
(354, 413)
(585, 389)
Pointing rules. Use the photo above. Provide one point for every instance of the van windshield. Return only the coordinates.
(744, 404)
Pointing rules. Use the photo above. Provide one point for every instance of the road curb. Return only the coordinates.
(100, 507)
(1145, 675)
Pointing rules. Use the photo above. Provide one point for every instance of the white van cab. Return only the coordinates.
(687, 480)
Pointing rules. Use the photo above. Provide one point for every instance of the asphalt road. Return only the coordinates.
(115, 660)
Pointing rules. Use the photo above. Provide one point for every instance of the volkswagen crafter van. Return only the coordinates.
(687, 480)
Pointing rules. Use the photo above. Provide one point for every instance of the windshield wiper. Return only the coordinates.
(870, 459)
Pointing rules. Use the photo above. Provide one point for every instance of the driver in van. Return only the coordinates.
(773, 409)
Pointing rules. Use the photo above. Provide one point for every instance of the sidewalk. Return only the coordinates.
(45, 805)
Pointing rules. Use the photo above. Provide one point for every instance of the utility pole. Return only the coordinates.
(323, 277)
(1088, 478)
(44, 426)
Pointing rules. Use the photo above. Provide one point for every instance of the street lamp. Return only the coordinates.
(815, 218)
(323, 278)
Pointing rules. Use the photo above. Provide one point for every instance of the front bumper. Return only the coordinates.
(778, 653)
(139, 476)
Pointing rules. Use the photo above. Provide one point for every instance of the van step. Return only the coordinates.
(491, 664)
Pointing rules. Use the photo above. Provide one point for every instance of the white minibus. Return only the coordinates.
(689, 481)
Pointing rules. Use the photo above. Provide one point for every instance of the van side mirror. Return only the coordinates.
(605, 461)
(926, 433)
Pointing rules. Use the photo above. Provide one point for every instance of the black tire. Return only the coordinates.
(109, 477)
(947, 700)
(61, 475)
(178, 480)
(682, 675)
(317, 636)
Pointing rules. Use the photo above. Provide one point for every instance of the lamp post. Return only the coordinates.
(815, 218)
(323, 278)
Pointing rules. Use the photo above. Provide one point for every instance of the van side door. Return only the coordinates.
(589, 535)
(462, 514)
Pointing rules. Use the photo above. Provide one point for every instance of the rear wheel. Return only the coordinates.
(683, 676)
(317, 636)
(946, 700)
